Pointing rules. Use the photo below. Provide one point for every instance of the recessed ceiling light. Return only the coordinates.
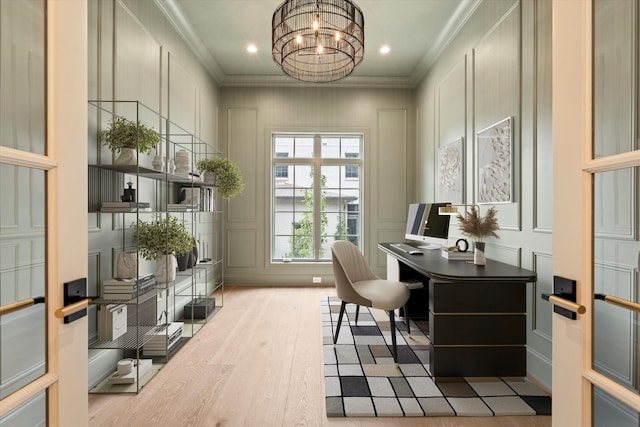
(385, 49)
(252, 48)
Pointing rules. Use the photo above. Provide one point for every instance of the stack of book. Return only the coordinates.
(457, 255)
(112, 321)
(180, 207)
(143, 366)
(163, 339)
(125, 207)
(126, 289)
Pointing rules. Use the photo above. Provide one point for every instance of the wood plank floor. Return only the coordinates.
(257, 363)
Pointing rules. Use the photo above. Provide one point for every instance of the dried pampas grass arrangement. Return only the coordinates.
(478, 227)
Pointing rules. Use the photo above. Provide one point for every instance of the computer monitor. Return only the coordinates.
(424, 224)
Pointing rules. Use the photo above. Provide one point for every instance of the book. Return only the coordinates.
(112, 321)
(126, 289)
(126, 205)
(163, 339)
(456, 255)
(144, 365)
(124, 209)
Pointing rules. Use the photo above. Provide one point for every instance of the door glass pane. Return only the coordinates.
(608, 412)
(614, 81)
(32, 413)
(22, 75)
(616, 257)
(22, 276)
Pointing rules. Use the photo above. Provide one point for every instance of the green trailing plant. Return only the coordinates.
(228, 175)
(123, 133)
(162, 236)
(478, 227)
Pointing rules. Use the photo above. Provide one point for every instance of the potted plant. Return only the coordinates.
(478, 227)
(228, 177)
(129, 138)
(162, 239)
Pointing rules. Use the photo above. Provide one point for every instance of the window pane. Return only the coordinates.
(614, 77)
(616, 249)
(22, 276)
(330, 148)
(351, 148)
(22, 104)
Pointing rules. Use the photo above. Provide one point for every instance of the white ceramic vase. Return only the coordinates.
(210, 178)
(128, 156)
(166, 267)
(478, 254)
(127, 265)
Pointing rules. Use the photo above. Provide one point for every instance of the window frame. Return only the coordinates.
(316, 161)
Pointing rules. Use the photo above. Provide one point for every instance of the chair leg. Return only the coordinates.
(357, 313)
(392, 321)
(406, 318)
(342, 307)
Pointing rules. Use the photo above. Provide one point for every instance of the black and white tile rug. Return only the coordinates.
(361, 379)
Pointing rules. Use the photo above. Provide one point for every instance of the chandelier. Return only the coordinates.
(317, 41)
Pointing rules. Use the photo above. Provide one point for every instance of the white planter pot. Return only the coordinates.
(210, 178)
(127, 265)
(166, 267)
(128, 156)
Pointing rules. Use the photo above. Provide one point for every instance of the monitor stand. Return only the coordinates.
(430, 247)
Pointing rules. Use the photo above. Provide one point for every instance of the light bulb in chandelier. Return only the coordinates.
(299, 39)
(319, 49)
(338, 36)
(316, 25)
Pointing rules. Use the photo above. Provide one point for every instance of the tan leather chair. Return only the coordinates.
(357, 284)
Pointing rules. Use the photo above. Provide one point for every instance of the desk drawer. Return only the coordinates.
(500, 361)
(496, 297)
(484, 329)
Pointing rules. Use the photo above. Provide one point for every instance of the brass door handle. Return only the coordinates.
(72, 308)
(18, 305)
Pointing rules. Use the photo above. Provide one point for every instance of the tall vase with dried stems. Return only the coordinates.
(478, 227)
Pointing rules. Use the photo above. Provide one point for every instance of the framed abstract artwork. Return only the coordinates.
(494, 163)
(451, 171)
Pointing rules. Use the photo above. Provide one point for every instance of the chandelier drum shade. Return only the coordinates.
(318, 41)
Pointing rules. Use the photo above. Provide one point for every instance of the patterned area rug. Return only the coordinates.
(361, 379)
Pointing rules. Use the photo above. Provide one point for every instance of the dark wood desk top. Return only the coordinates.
(434, 266)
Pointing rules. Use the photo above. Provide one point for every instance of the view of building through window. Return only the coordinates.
(316, 192)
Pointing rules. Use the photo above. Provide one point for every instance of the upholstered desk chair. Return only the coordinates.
(357, 284)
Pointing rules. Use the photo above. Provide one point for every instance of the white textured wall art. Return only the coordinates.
(450, 172)
(494, 163)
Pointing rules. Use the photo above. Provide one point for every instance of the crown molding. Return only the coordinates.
(171, 10)
(460, 17)
(285, 81)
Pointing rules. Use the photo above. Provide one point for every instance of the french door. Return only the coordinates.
(43, 232)
(596, 111)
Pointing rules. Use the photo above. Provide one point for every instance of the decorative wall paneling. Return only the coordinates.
(498, 66)
(614, 327)
(541, 148)
(181, 96)
(386, 117)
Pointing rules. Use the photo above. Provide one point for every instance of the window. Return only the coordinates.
(317, 200)
(282, 171)
(351, 171)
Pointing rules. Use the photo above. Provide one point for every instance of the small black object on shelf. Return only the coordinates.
(199, 308)
(129, 193)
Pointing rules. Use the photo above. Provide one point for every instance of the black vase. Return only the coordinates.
(194, 252)
(184, 260)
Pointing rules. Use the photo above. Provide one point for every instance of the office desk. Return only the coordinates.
(477, 315)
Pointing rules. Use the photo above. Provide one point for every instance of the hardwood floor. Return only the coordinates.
(257, 363)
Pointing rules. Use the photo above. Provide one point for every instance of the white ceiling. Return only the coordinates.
(220, 30)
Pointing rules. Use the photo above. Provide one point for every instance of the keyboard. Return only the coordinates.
(411, 250)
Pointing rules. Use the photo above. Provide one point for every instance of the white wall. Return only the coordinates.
(499, 66)
(248, 116)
